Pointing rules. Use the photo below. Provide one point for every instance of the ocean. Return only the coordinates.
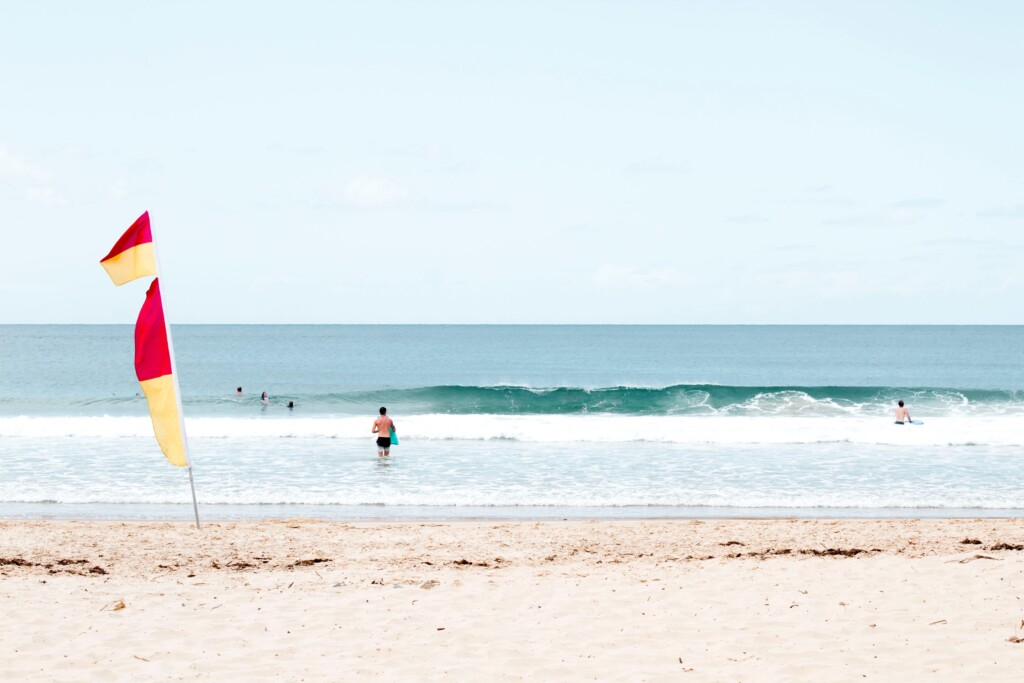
(521, 421)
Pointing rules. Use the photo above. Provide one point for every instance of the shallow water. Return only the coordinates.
(572, 421)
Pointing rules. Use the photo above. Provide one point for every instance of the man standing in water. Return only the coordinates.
(383, 425)
(902, 414)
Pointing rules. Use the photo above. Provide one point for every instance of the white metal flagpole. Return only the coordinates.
(177, 388)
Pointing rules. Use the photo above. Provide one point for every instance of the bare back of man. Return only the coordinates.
(382, 427)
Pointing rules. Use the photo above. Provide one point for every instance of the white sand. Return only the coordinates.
(608, 601)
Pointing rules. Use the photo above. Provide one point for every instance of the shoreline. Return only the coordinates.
(315, 600)
(254, 513)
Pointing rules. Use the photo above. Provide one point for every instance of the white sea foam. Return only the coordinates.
(996, 431)
(546, 461)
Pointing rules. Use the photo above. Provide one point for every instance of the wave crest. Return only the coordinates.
(678, 399)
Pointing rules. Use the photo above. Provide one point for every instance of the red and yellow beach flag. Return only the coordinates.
(155, 372)
(133, 255)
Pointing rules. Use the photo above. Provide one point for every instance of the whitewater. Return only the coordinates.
(561, 429)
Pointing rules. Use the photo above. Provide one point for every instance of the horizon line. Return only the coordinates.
(548, 324)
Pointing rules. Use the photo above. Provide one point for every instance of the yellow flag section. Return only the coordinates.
(154, 370)
(133, 255)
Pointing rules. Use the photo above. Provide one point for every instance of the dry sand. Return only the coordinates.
(760, 600)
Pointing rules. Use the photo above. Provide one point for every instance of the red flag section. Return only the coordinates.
(153, 368)
(152, 355)
(132, 256)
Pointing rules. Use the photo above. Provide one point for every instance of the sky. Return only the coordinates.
(516, 162)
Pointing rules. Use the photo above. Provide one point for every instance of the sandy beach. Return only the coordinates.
(304, 600)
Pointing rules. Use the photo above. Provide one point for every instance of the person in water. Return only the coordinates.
(265, 398)
(238, 391)
(902, 414)
(291, 404)
(383, 425)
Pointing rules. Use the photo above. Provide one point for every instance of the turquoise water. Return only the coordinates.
(596, 421)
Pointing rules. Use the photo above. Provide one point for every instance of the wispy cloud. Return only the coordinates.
(374, 192)
(118, 190)
(271, 280)
(427, 150)
(457, 167)
(45, 195)
(1011, 212)
(368, 191)
(629, 277)
(310, 150)
(29, 178)
(456, 206)
(436, 158)
(656, 166)
(970, 243)
(27, 287)
(747, 218)
(836, 284)
(580, 227)
(919, 203)
(823, 195)
(15, 166)
(887, 218)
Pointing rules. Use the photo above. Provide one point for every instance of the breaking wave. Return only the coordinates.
(678, 399)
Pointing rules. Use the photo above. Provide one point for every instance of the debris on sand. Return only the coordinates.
(1006, 546)
(311, 562)
(834, 552)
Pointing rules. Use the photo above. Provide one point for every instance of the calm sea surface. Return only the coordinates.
(509, 421)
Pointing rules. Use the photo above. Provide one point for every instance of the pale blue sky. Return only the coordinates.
(618, 162)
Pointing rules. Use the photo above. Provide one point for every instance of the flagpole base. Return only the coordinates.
(195, 505)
